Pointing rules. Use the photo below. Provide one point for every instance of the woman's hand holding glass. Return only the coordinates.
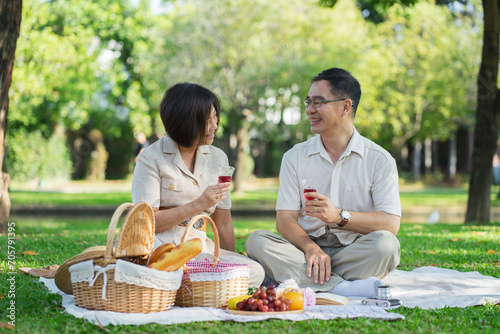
(225, 175)
(213, 194)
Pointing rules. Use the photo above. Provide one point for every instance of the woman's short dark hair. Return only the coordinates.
(185, 109)
(343, 84)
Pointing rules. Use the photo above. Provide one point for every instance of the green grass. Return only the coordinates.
(459, 247)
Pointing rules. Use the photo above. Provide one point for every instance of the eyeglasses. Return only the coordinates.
(317, 103)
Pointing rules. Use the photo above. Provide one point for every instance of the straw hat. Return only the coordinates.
(136, 239)
(62, 277)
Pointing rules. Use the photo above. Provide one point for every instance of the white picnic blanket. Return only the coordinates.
(425, 287)
(436, 288)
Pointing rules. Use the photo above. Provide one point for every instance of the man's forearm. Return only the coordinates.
(367, 222)
(288, 226)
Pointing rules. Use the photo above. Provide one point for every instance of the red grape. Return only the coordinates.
(264, 300)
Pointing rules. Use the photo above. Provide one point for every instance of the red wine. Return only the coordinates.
(223, 179)
(309, 191)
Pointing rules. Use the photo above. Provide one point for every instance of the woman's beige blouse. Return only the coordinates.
(161, 178)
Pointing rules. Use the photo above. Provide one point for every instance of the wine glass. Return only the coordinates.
(309, 185)
(225, 175)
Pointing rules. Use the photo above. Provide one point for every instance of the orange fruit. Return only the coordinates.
(297, 300)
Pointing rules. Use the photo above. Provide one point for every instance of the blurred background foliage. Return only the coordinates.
(89, 74)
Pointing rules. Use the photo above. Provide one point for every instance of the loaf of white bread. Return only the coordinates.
(169, 257)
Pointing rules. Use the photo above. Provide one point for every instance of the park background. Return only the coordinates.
(88, 75)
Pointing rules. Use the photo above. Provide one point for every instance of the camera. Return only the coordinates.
(383, 299)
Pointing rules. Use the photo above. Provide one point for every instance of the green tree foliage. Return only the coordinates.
(48, 158)
(77, 66)
(54, 72)
(260, 56)
(419, 76)
(104, 65)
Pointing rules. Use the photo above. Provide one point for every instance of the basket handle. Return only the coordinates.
(112, 228)
(214, 230)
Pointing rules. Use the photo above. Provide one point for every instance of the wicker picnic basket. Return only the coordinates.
(112, 284)
(206, 283)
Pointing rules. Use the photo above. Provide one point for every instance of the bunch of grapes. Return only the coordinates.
(264, 300)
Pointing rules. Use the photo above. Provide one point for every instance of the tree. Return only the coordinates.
(487, 118)
(418, 77)
(10, 23)
(487, 108)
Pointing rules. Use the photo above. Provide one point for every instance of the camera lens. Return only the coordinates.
(384, 292)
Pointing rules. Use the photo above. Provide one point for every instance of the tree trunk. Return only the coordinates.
(428, 155)
(243, 138)
(487, 117)
(452, 158)
(417, 160)
(98, 160)
(10, 23)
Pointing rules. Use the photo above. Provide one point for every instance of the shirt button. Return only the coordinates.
(191, 235)
(170, 187)
(195, 183)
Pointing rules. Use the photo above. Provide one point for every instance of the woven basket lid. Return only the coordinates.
(137, 232)
(62, 277)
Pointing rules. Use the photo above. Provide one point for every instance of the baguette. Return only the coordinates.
(181, 254)
(159, 251)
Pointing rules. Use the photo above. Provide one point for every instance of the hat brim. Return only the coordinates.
(62, 277)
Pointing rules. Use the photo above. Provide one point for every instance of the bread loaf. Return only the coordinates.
(159, 251)
(182, 253)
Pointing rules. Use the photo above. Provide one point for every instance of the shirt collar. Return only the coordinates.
(355, 145)
(171, 147)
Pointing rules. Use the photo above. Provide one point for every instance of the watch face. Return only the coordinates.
(346, 214)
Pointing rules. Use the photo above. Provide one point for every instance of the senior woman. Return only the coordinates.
(178, 175)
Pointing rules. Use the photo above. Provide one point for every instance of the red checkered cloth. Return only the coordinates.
(196, 267)
(203, 271)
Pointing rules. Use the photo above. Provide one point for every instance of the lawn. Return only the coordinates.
(452, 246)
(459, 247)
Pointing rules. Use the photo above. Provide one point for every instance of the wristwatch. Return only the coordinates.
(345, 215)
